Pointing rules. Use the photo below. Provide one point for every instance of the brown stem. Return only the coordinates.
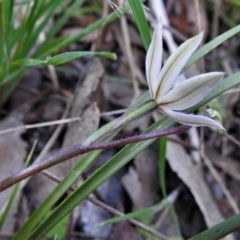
(78, 149)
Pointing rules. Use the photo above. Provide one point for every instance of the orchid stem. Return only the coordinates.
(78, 149)
(111, 127)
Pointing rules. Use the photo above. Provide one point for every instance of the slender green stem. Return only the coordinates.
(111, 127)
(220, 230)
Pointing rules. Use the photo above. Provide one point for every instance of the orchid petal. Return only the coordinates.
(154, 60)
(174, 65)
(190, 92)
(191, 119)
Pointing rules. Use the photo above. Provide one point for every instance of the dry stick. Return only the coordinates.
(231, 138)
(49, 144)
(221, 183)
(109, 208)
(129, 54)
(39, 125)
(78, 149)
(199, 25)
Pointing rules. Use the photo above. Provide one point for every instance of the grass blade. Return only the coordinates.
(211, 45)
(89, 29)
(142, 213)
(61, 58)
(162, 164)
(141, 20)
(63, 19)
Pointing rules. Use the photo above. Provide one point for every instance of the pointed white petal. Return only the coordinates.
(154, 60)
(175, 63)
(191, 119)
(190, 92)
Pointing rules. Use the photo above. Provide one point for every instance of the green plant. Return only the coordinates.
(35, 227)
(22, 31)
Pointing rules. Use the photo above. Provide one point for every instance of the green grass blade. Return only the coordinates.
(211, 45)
(8, 22)
(220, 230)
(55, 195)
(137, 9)
(16, 34)
(23, 2)
(9, 83)
(34, 30)
(61, 58)
(116, 163)
(144, 213)
(60, 22)
(89, 29)
(28, 62)
(68, 56)
(33, 15)
(2, 31)
(162, 164)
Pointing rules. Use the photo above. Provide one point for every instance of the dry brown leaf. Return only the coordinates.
(118, 93)
(191, 175)
(132, 185)
(12, 156)
(147, 169)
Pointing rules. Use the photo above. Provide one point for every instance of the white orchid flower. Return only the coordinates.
(172, 95)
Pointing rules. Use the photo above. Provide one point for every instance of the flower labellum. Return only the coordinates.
(172, 95)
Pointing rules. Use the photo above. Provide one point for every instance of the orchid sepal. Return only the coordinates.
(191, 91)
(191, 119)
(173, 95)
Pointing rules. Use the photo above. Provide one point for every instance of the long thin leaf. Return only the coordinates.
(89, 29)
(141, 20)
(162, 164)
(34, 30)
(2, 30)
(211, 45)
(63, 19)
(220, 230)
(61, 58)
(142, 213)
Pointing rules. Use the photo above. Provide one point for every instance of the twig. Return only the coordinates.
(231, 138)
(199, 25)
(110, 209)
(221, 184)
(78, 149)
(49, 144)
(129, 54)
(39, 125)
